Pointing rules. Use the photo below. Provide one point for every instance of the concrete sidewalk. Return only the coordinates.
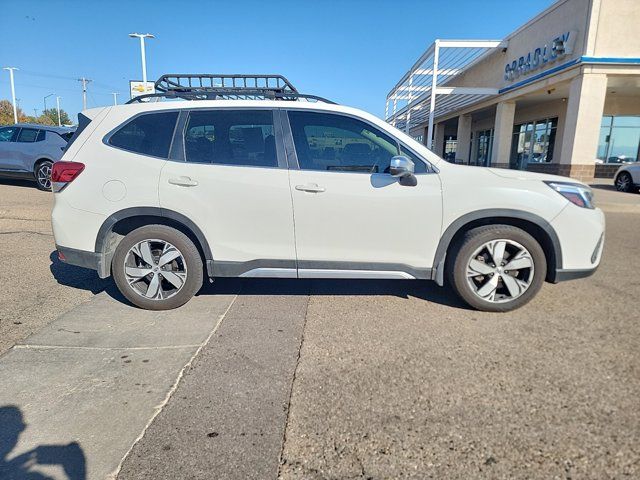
(88, 384)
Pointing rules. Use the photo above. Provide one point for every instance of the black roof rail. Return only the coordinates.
(226, 86)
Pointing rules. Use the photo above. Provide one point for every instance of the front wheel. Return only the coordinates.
(157, 268)
(497, 268)
(43, 175)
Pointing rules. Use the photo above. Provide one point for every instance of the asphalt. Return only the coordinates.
(316, 379)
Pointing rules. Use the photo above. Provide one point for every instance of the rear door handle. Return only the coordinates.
(310, 187)
(183, 181)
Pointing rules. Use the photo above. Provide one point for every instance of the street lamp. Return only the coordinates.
(45, 100)
(142, 36)
(13, 93)
(58, 105)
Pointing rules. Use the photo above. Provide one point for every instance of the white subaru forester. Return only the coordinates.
(240, 178)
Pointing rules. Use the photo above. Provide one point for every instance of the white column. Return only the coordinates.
(463, 139)
(502, 133)
(582, 125)
(438, 139)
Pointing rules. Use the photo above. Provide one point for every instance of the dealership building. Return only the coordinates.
(559, 95)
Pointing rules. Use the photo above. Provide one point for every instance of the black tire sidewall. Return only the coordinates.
(472, 240)
(181, 242)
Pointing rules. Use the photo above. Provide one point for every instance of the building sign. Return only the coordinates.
(138, 88)
(541, 56)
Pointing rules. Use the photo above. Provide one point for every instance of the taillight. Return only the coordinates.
(63, 173)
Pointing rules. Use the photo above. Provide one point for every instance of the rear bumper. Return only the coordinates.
(564, 275)
(81, 258)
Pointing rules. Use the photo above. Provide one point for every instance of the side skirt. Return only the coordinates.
(314, 269)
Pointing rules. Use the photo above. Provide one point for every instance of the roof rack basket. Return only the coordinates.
(226, 87)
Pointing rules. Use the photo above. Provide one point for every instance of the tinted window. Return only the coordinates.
(340, 143)
(7, 133)
(231, 137)
(27, 135)
(66, 136)
(42, 134)
(148, 134)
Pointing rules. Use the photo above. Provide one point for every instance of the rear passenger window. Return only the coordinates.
(27, 135)
(148, 134)
(231, 137)
(42, 134)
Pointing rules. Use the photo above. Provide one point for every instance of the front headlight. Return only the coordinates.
(577, 194)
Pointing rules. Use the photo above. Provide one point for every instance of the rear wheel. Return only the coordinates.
(43, 175)
(157, 268)
(497, 268)
(624, 182)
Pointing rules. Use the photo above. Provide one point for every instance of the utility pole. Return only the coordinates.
(142, 36)
(115, 97)
(45, 100)
(58, 106)
(84, 91)
(35, 112)
(13, 93)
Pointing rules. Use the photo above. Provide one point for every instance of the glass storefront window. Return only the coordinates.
(450, 147)
(483, 146)
(533, 142)
(619, 139)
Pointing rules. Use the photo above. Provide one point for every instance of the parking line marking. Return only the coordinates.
(76, 347)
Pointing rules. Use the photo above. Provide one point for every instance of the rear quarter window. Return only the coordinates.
(147, 134)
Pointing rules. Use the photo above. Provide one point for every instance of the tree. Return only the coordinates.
(52, 114)
(48, 117)
(6, 113)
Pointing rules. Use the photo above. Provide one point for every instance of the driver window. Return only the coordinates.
(329, 142)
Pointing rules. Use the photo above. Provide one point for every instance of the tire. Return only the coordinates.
(144, 280)
(42, 174)
(476, 246)
(624, 182)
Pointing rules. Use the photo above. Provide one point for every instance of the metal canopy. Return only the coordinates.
(424, 93)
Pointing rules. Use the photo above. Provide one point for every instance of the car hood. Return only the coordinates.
(524, 175)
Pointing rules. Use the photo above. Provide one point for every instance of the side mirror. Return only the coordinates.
(401, 167)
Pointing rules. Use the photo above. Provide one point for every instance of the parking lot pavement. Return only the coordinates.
(36, 286)
(88, 384)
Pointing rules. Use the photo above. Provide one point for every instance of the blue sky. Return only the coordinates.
(351, 51)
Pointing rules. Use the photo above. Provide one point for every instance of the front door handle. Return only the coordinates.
(183, 181)
(310, 187)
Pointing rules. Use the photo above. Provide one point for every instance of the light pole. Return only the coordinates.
(58, 107)
(142, 36)
(84, 91)
(13, 93)
(45, 100)
(115, 97)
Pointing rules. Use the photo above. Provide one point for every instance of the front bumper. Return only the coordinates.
(81, 258)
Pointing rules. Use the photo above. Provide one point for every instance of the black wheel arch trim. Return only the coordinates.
(132, 212)
(455, 226)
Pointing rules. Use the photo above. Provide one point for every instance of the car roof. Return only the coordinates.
(50, 128)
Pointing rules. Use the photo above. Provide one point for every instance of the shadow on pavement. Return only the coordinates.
(77, 277)
(423, 289)
(69, 457)
(603, 186)
(18, 183)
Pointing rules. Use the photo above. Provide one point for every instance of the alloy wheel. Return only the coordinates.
(623, 182)
(43, 175)
(500, 271)
(155, 269)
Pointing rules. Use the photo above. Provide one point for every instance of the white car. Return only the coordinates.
(160, 195)
(627, 178)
